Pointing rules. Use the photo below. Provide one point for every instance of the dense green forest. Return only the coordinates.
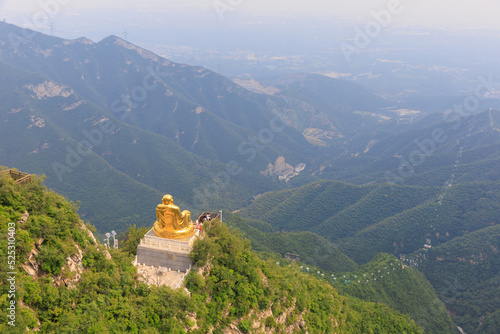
(458, 223)
(366, 220)
(384, 279)
(232, 287)
(311, 248)
(466, 275)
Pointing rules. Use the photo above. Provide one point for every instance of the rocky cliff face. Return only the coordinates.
(71, 272)
(262, 319)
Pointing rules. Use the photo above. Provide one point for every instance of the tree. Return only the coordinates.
(132, 238)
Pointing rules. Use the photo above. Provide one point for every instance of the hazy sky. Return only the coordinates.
(450, 13)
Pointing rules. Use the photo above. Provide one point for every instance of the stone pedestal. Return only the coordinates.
(166, 253)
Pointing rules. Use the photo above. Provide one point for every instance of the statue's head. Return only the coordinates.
(167, 199)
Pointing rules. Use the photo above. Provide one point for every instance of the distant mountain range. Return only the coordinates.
(154, 126)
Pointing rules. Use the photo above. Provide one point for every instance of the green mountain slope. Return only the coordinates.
(183, 103)
(311, 248)
(466, 274)
(457, 210)
(386, 280)
(233, 288)
(428, 153)
(305, 207)
(229, 265)
(459, 221)
(56, 126)
(365, 220)
(383, 280)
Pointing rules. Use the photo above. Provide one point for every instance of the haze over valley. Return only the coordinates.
(362, 143)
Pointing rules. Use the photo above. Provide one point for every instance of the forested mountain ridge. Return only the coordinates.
(311, 248)
(233, 287)
(64, 97)
(466, 274)
(448, 233)
(365, 220)
(388, 280)
(426, 153)
(384, 279)
(123, 162)
(183, 103)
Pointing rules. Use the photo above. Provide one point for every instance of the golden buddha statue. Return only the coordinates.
(171, 223)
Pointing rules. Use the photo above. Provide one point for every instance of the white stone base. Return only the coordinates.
(165, 253)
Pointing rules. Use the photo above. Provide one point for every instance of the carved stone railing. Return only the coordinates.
(167, 244)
